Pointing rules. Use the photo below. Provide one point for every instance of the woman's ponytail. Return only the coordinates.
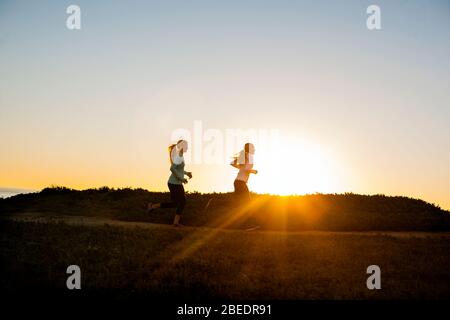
(170, 152)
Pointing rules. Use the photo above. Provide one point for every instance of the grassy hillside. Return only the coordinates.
(162, 261)
(334, 212)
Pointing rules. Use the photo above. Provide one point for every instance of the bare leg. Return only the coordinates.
(156, 205)
(151, 206)
(176, 221)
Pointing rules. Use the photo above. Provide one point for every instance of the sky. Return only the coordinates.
(356, 110)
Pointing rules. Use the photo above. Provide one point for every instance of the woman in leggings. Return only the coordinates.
(175, 183)
(244, 162)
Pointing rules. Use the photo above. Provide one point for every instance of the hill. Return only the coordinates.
(326, 212)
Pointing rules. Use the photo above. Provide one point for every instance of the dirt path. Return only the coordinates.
(102, 221)
(85, 220)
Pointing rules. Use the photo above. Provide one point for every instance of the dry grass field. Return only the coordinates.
(202, 263)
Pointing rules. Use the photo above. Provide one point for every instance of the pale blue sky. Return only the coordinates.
(97, 106)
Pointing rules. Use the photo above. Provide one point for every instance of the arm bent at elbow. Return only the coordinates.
(176, 174)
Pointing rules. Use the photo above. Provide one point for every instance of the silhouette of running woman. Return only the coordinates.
(175, 183)
(244, 162)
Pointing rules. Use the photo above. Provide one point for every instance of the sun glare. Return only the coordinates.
(293, 167)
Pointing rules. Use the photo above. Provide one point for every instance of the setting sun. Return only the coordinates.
(294, 167)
